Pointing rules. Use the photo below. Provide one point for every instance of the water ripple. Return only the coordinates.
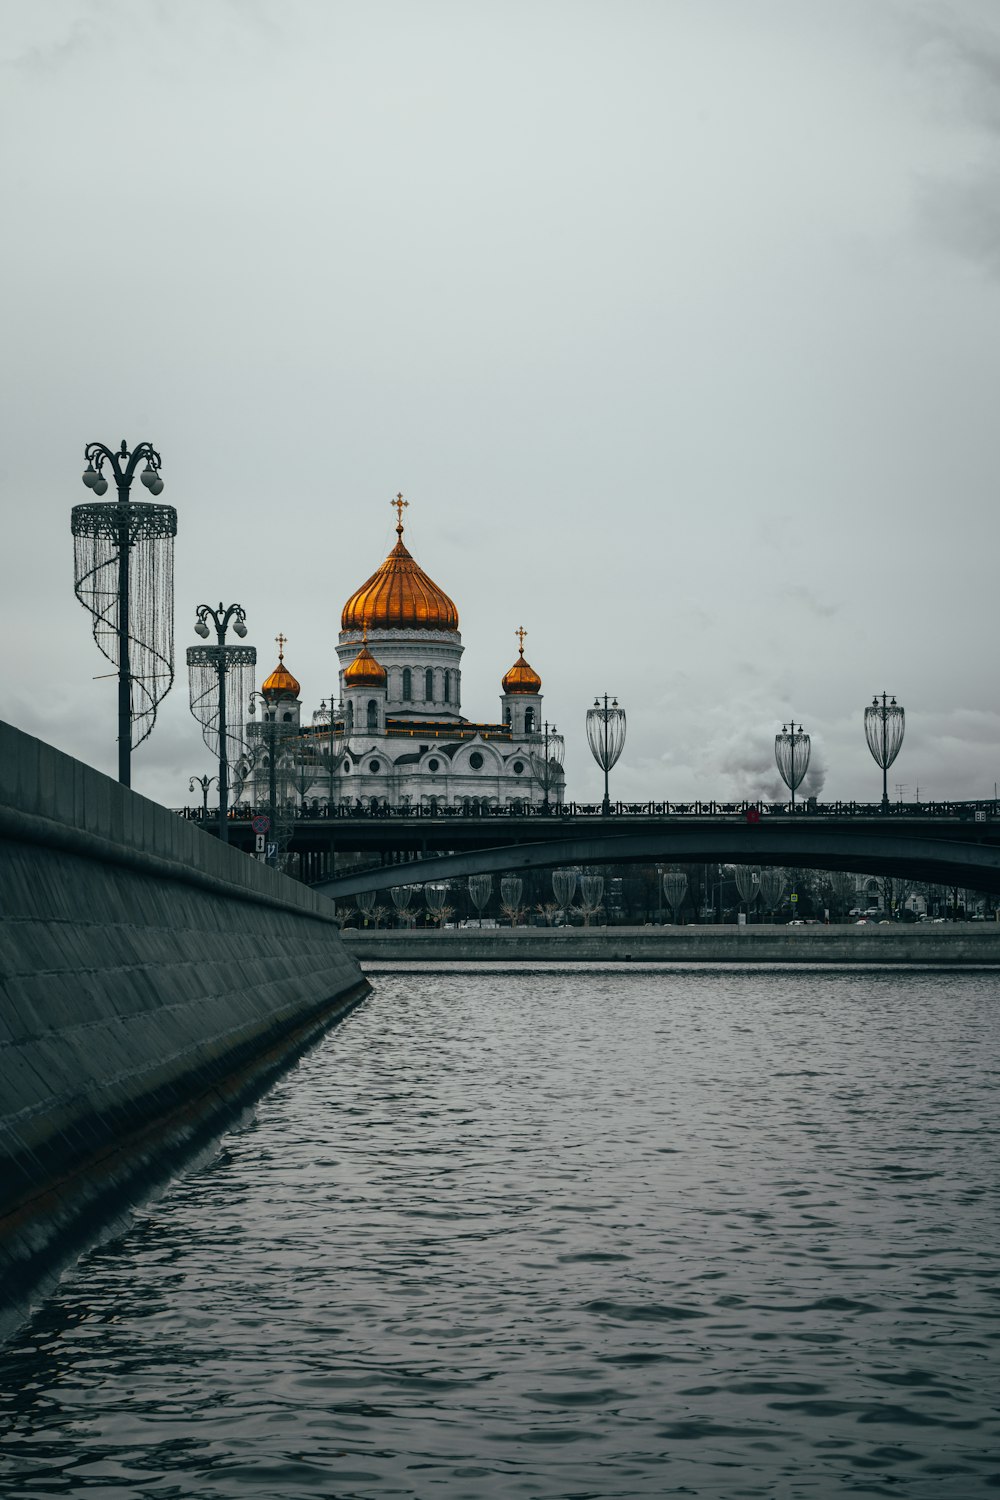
(559, 1235)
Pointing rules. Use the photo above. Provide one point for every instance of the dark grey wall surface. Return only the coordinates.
(918, 943)
(152, 980)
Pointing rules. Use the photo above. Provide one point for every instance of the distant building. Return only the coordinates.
(398, 735)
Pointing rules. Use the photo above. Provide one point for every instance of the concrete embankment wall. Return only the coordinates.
(923, 943)
(152, 980)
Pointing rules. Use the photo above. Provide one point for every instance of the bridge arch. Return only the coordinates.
(878, 852)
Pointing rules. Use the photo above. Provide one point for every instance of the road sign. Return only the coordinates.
(272, 850)
(794, 897)
(261, 824)
(258, 844)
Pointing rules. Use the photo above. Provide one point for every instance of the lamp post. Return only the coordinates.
(270, 731)
(218, 662)
(131, 600)
(791, 752)
(204, 782)
(885, 725)
(553, 750)
(329, 717)
(606, 737)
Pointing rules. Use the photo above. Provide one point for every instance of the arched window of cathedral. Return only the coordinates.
(429, 685)
(349, 721)
(286, 718)
(506, 714)
(407, 685)
(447, 687)
(372, 715)
(529, 720)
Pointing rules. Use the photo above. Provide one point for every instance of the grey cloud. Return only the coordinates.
(810, 601)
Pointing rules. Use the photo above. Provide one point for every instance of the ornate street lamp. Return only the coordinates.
(885, 725)
(204, 782)
(511, 887)
(675, 884)
(564, 888)
(480, 889)
(402, 895)
(791, 751)
(553, 752)
(436, 897)
(331, 757)
(123, 556)
(606, 737)
(591, 895)
(748, 884)
(217, 673)
(273, 736)
(772, 887)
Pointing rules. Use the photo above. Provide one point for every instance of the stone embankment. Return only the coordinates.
(912, 943)
(152, 981)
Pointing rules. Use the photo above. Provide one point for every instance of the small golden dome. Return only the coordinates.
(521, 678)
(399, 595)
(364, 671)
(281, 683)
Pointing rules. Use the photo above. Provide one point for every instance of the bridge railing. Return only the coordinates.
(315, 811)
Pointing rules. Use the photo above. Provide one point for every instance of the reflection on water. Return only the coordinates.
(624, 1234)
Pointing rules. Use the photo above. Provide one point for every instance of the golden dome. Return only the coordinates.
(399, 596)
(364, 671)
(521, 678)
(281, 683)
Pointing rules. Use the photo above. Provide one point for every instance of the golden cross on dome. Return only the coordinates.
(281, 641)
(520, 632)
(400, 505)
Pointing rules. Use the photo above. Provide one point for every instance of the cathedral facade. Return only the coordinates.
(398, 737)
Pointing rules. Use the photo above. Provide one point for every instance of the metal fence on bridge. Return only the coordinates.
(315, 811)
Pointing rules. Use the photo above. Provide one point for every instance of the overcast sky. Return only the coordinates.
(676, 321)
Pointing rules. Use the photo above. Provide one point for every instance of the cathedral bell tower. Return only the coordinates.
(521, 700)
(365, 693)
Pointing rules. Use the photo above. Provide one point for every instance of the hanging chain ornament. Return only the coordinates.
(123, 567)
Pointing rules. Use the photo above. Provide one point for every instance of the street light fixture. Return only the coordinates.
(553, 752)
(606, 737)
(791, 752)
(124, 575)
(273, 734)
(326, 717)
(885, 725)
(210, 669)
(204, 782)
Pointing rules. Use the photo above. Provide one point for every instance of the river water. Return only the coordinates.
(635, 1233)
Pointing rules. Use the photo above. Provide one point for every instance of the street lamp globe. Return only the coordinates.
(606, 738)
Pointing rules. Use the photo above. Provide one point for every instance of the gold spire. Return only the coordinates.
(399, 595)
(365, 671)
(400, 505)
(281, 683)
(522, 678)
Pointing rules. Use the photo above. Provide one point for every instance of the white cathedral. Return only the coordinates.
(398, 736)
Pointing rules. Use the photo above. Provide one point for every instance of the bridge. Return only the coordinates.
(944, 843)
